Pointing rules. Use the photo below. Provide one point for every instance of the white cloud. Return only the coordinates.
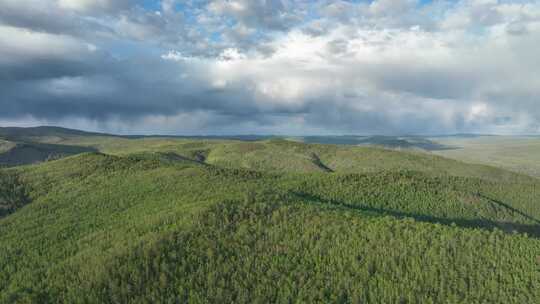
(88, 6)
(18, 44)
(401, 72)
(344, 66)
(391, 7)
(136, 30)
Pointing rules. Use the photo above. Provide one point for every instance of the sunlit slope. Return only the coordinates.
(278, 155)
(282, 155)
(161, 227)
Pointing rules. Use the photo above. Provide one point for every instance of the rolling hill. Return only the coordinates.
(169, 220)
(20, 146)
(44, 134)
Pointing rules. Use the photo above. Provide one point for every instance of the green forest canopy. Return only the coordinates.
(229, 221)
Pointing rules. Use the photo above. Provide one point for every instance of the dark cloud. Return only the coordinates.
(271, 66)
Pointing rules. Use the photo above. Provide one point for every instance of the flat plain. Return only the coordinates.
(516, 153)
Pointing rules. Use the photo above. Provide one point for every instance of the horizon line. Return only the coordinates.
(270, 134)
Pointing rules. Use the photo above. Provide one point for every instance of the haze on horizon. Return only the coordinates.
(198, 67)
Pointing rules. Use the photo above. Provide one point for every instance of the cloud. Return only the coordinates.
(258, 14)
(273, 66)
(88, 6)
(18, 45)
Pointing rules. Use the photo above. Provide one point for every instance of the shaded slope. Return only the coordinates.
(13, 192)
(22, 153)
(43, 134)
(393, 142)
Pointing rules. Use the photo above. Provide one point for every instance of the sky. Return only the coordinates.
(319, 67)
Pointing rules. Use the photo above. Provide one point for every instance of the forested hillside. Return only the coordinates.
(197, 226)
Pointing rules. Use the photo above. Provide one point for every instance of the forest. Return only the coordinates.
(271, 221)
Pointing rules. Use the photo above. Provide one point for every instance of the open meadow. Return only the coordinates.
(516, 153)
